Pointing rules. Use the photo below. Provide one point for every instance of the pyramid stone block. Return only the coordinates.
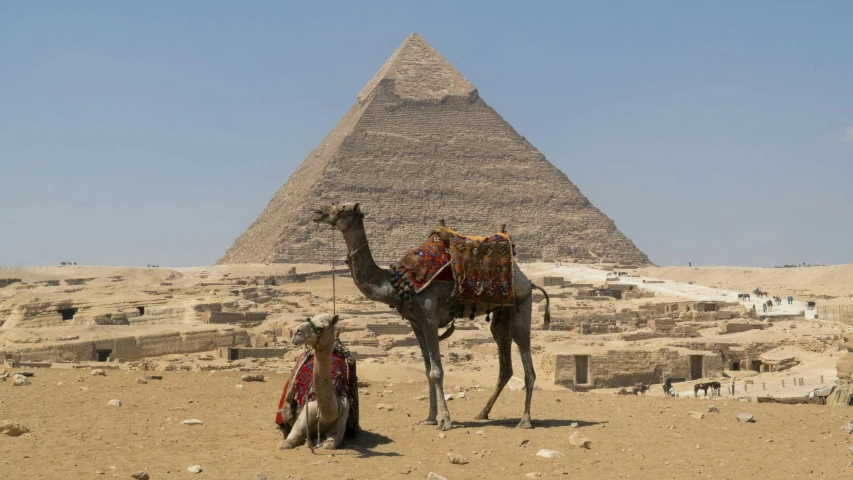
(418, 145)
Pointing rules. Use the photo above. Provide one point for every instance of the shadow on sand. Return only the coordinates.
(512, 422)
(366, 441)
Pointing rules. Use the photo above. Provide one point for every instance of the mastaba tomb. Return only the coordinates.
(418, 145)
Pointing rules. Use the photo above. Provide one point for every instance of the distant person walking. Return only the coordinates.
(764, 306)
(689, 264)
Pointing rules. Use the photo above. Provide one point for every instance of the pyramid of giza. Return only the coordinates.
(419, 145)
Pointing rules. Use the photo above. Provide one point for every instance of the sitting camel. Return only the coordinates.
(430, 309)
(333, 409)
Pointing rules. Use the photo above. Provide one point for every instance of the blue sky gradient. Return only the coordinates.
(155, 132)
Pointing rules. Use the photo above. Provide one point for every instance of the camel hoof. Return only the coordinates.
(285, 445)
(428, 421)
(445, 424)
(524, 423)
(329, 445)
(482, 416)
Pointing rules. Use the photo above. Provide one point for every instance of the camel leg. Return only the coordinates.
(433, 405)
(298, 433)
(501, 334)
(335, 436)
(521, 335)
(436, 375)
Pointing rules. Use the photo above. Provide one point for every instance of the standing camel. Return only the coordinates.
(319, 333)
(430, 310)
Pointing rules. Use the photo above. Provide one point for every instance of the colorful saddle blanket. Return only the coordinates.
(299, 389)
(480, 267)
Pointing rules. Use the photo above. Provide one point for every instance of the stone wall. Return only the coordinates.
(735, 327)
(242, 319)
(624, 367)
(131, 348)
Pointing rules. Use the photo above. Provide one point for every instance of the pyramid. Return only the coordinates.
(418, 145)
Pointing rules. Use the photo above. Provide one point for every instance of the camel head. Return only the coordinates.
(340, 216)
(312, 329)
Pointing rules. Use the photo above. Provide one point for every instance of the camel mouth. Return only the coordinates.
(319, 216)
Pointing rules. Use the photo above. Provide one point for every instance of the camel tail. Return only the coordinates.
(547, 321)
(447, 333)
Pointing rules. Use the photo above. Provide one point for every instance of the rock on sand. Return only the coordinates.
(8, 427)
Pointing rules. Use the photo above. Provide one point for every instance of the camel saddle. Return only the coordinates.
(299, 389)
(480, 268)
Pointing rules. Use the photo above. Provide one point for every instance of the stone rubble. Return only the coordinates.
(12, 429)
(546, 453)
(745, 417)
(578, 440)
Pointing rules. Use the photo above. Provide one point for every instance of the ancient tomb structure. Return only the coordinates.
(594, 367)
(418, 145)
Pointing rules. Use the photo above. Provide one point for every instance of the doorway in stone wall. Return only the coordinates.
(696, 366)
(581, 369)
(104, 355)
(756, 366)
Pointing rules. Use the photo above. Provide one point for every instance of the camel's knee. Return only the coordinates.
(435, 374)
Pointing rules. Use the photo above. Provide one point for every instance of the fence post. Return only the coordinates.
(821, 379)
(783, 383)
(745, 388)
(763, 387)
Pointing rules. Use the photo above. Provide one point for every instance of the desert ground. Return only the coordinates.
(73, 433)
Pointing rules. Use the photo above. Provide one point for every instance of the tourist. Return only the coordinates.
(764, 306)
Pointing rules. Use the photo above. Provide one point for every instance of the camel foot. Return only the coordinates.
(285, 445)
(445, 424)
(482, 416)
(329, 444)
(428, 421)
(524, 423)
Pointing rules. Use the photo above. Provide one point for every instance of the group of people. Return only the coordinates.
(67, 263)
(668, 389)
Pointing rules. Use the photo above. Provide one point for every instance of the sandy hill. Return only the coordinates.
(832, 281)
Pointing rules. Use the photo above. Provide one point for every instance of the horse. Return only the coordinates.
(700, 386)
(739, 297)
(746, 297)
(769, 304)
(715, 387)
(639, 388)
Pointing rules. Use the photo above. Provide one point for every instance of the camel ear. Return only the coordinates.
(335, 319)
(355, 207)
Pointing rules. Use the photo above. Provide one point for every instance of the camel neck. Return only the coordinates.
(373, 281)
(324, 389)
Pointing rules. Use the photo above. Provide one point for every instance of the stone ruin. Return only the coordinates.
(418, 145)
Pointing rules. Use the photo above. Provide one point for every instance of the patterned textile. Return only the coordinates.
(420, 267)
(299, 389)
(481, 267)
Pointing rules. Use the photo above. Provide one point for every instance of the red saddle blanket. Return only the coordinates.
(299, 389)
(480, 267)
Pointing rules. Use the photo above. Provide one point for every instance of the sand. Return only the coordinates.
(76, 435)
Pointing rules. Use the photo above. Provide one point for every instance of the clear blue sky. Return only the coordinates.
(155, 132)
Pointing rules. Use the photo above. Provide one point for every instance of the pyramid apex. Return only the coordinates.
(419, 73)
